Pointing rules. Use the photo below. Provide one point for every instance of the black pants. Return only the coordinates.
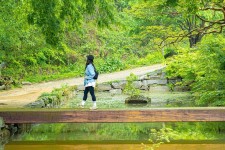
(91, 90)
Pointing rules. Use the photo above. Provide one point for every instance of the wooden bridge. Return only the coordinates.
(207, 114)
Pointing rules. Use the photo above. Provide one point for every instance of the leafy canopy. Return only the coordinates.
(57, 16)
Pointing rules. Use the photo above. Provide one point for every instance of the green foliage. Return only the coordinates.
(152, 58)
(196, 130)
(129, 87)
(110, 65)
(57, 96)
(158, 137)
(54, 17)
(203, 69)
(27, 28)
(165, 22)
(90, 131)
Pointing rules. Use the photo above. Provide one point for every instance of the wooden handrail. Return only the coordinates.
(193, 114)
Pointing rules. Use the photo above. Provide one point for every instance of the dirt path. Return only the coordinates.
(19, 97)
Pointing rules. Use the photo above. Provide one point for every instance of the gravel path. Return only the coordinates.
(17, 98)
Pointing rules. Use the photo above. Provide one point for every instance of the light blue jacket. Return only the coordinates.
(89, 74)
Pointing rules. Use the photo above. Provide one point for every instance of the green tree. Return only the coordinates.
(177, 20)
(129, 87)
(54, 17)
(203, 70)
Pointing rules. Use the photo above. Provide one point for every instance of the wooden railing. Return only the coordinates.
(207, 114)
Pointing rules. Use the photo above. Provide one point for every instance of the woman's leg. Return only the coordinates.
(86, 90)
(92, 92)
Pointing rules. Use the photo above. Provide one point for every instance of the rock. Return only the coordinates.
(119, 85)
(144, 77)
(144, 87)
(104, 87)
(150, 82)
(137, 99)
(181, 88)
(37, 104)
(115, 91)
(26, 83)
(163, 75)
(2, 87)
(155, 77)
(172, 81)
(159, 89)
(2, 123)
(145, 83)
(80, 88)
(137, 84)
(162, 82)
(153, 73)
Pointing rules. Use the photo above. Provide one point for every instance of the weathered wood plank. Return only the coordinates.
(144, 115)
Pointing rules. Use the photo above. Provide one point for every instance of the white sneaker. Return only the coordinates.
(93, 108)
(81, 106)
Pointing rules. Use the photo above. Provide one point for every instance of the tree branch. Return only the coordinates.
(212, 8)
(197, 31)
(222, 21)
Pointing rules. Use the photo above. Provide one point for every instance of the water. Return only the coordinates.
(76, 146)
(120, 136)
(106, 100)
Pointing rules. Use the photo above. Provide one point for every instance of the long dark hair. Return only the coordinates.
(89, 62)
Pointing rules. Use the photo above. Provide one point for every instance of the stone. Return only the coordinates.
(80, 88)
(2, 123)
(26, 83)
(172, 81)
(115, 91)
(162, 82)
(153, 73)
(137, 84)
(104, 87)
(145, 83)
(150, 82)
(119, 85)
(137, 99)
(2, 87)
(181, 88)
(159, 89)
(144, 77)
(37, 104)
(163, 75)
(159, 71)
(154, 77)
(144, 87)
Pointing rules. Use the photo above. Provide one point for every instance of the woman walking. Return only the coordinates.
(89, 82)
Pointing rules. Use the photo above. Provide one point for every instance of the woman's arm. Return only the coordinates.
(91, 72)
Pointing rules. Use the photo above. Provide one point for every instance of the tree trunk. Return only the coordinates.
(194, 39)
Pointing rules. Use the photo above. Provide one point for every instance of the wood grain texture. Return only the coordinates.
(87, 116)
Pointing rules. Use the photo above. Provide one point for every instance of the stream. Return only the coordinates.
(120, 136)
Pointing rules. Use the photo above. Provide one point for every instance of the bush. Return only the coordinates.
(202, 68)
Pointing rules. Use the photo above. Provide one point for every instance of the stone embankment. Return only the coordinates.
(155, 81)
